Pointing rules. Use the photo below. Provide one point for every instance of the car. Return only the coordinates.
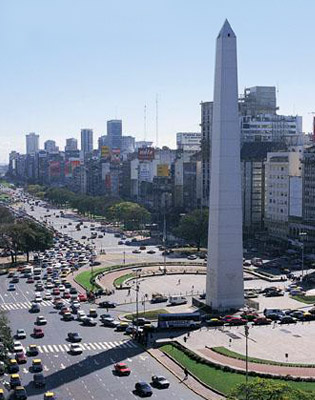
(66, 295)
(274, 293)
(20, 334)
(107, 304)
(235, 321)
(87, 321)
(122, 369)
(13, 366)
(82, 297)
(21, 357)
(37, 365)
(120, 242)
(39, 380)
(64, 309)
(143, 389)
(75, 348)
(110, 322)
(80, 314)
(38, 333)
(74, 337)
(32, 350)
(41, 320)
(122, 326)
(35, 308)
(56, 291)
(214, 322)
(151, 251)
(159, 299)
(15, 380)
(11, 287)
(136, 251)
(15, 279)
(2, 394)
(83, 237)
(160, 382)
(262, 321)
(192, 257)
(67, 316)
(47, 296)
(92, 313)
(287, 319)
(49, 396)
(17, 347)
(20, 393)
(30, 280)
(142, 248)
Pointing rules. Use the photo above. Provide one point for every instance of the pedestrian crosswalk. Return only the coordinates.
(95, 346)
(26, 305)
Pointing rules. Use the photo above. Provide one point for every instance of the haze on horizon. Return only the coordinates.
(75, 64)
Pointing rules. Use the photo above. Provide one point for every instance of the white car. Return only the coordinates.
(62, 288)
(75, 348)
(20, 334)
(47, 296)
(17, 347)
(81, 315)
(50, 285)
(41, 320)
(38, 298)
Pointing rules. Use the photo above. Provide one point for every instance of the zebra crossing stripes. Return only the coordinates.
(26, 305)
(95, 346)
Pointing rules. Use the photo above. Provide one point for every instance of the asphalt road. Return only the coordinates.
(89, 375)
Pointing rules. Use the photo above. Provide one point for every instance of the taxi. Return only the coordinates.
(1, 394)
(15, 381)
(49, 396)
(37, 365)
(92, 313)
(20, 393)
(32, 350)
(13, 366)
(122, 327)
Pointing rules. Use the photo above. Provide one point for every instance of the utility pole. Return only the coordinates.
(246, 327)
(302, 236)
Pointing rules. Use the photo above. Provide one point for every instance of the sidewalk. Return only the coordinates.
(191, 382)
(262, 368)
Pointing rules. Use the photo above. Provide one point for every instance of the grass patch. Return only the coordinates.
(84, 278)
(304, 299)
(121, 280)
(232, 354)
(150, 314)
(222, 381)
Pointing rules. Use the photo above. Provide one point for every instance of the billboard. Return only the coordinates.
(70, 167)
(115, 155)
(54, 169)
(105, 151)
(146, 154)
(162, 170)
(145, 172)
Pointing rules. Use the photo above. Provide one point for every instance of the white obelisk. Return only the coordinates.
(225, 286)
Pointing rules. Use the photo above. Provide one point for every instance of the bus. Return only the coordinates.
(179, 320)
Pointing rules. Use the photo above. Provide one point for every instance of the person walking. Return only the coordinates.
(186, 374)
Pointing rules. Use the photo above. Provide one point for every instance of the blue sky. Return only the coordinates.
(71, 64)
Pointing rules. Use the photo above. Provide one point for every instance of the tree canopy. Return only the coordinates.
(132, 215)
(263, 389)
(194, 227)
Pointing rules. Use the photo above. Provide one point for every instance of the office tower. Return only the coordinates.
(114, 133)
(225, 286)
(50, 146)
(32, 143)
(86, 140)
(71, 144)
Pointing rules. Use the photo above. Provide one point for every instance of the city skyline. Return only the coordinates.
(57, 81)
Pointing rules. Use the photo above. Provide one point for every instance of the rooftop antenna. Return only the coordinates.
(145, 122)
(157, 121)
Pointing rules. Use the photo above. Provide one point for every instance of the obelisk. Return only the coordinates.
(225, 286)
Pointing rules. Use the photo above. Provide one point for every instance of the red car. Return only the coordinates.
(122, 369)
(30, 280)
(38, 333)
(262, 321)
(56, 292)
(21, 358)
(237, 321)
(66, 295)
(65, 310)
(82, 297)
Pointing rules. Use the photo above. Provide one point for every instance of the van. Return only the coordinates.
(177, 300)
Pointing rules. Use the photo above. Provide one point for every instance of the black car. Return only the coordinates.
(39, 380)
(74, 337)
(34, 308)
(73, 291)
(20, 393)
(107, 304)
(143, 389)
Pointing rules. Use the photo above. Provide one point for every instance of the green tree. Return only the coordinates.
(132, 215)
(6, 335)
(194, 227)
(5, 215)
(263, 389)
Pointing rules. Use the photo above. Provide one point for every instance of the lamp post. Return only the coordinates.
(138, 273)
(302, 236)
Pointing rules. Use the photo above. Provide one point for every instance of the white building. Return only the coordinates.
(190, 141)
(283, 190)
(32, 143)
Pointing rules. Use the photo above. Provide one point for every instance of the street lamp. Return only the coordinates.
(137, 271)
(302, 236)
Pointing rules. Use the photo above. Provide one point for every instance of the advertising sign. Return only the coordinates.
(54, 168)
(146, 154)
(115, 155)
(105, 151)
(162, 170)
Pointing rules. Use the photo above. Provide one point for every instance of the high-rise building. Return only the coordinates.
(86, 140)
(225, 285)
(128, 144)
(103, 141)
(71, 144)
(206, 134)
(32, 143)
(190, 141)
(114, 133)
(50, 146)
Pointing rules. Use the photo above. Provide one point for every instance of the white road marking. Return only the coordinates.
(56, 348)
(50, 348)
(102, 346)
(91, 345)
(61, 348)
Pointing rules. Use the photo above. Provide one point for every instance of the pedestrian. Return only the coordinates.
(188, 334)
(186, 373)
(185, 339)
